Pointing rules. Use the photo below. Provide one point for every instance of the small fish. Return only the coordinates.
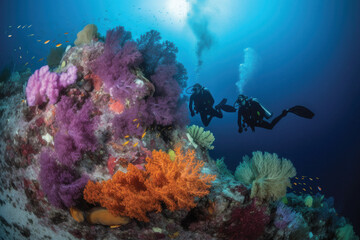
(126, 136)
(9, 35)
(310, 179)
(10, 26)
(115, 226)
(30, 26)
(46, 42)
(143, 135)
(19, 26)
(67, 41)
(135, 144)
(58, 45)
(23, 27)
(310, 188)
(135, 120)
(304, 189)
(296, 178)
(295, 183)
(125, 143)
(19, 48)
(66, 33)
(20, 57)
(32, 57)
(26, 63)
(23, 101)
(138, 125)
(30, 35)
(317, 178)
(319, 188)
(38, 40)
(304, 183)
(41, 59)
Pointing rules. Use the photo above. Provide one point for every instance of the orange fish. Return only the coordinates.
(126, 136)
(41, 59)
(66, 41)
(138, 125)
(319, 188)
(135, 120)
(58, 45)
(135, 144)
(66, 33)
(143, 135)
(304, 189)
(46, 42)
(125, 143)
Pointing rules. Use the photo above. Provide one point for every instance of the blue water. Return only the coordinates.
(309, 55)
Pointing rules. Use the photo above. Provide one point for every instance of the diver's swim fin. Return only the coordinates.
(228, 108)
(302, 111)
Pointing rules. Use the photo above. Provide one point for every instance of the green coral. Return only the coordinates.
(172, 154)
(200, 137)
(346, 233)
(268, 175)
(223, 170)
(308, 201)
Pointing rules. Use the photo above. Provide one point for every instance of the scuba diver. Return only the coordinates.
(203, 103)
(251, 114)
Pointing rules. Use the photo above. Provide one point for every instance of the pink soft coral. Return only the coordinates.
(44, 85)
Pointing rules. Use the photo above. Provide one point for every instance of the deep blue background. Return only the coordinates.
(310, 55)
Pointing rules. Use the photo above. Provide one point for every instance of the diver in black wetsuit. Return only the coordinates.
(203, 103)
(251, 114)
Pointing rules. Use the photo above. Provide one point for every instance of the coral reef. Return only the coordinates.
(100, 150)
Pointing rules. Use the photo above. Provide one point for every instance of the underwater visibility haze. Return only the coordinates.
(180, 119)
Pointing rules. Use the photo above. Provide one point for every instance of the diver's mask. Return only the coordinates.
(195, 89)
(241, 100)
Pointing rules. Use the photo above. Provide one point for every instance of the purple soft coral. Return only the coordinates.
(76, 133)
(62, 185)
(165, 103)
(115, 64)
(287, 218)
(43, 85)
(124, 123)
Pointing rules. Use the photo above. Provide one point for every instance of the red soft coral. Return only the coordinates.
(137, 192)
(246, 223)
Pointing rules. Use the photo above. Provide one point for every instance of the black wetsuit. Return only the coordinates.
(252, 115)
(203, 104)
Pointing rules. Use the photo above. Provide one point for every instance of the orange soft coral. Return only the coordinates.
(125, 194)
(137, 192)
(176, 183)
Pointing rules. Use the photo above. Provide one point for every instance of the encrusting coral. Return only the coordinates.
(202, 138)
(86, 35)
(137, 192)
(268, 175)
